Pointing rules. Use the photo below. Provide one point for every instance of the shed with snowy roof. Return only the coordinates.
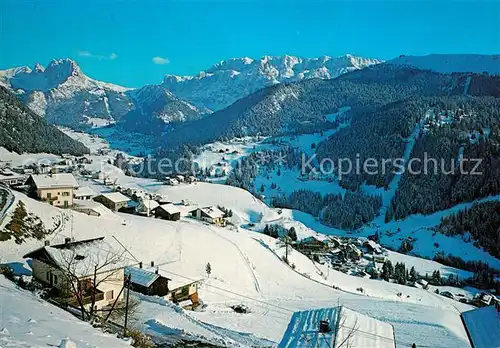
(147, 282)
(167, 212)
(113, 200)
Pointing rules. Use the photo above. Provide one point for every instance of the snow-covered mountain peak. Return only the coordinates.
(39, 68)
(232, 79)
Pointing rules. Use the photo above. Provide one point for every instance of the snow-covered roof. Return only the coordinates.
(85, 191)
(346, 325)
(170, 208)
(54, 180)
(483, 326)
(141, 276)
(11, 177)
(212, 212)
(116, 197)
(81, 257)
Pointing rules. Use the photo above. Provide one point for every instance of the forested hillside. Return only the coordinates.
(346, 212)
(378, 134)
(481, 221)
(467, 128)
(302, 107)
(23, 131)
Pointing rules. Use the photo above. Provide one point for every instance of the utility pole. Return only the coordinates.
(126, 306)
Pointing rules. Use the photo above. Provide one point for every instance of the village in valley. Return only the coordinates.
(98, 237)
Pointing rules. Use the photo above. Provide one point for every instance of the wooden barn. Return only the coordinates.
(167, 212)
(146, 282)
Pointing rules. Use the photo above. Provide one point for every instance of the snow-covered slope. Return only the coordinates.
(233, 79)
(448, 63)
(27, 321)
(246, 268)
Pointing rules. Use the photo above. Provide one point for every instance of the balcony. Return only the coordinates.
(73, 301)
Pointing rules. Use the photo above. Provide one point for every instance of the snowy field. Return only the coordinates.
(246, 269)
(27, 321)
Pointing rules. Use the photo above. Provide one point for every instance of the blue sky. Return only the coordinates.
(117, 41)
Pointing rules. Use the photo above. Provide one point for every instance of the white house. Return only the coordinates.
(70, 268)
(57, 189)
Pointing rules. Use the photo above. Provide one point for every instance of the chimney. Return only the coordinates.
(152, 263)
(46, 242)
(156, 271)
(140, 264)
(67, 240)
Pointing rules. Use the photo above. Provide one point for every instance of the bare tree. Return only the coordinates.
(84, 269)
(285, 242)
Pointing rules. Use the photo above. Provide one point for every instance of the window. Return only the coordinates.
(48, 276)
(49, 195)
(55, 279)
(109, 295)
(65, 194)
(66, 204)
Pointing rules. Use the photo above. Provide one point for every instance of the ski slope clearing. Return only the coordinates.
(27, 321)
(246, 268)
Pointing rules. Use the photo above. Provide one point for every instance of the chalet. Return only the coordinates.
(12, 179)
(447, 294)
(171, 181)
(147, 282)
(70, 269)
(167, 212)
(311, 243)
(483, 299)
(185, 293)
(321, 327)
(146, 206)
(424, 283)
(211, 214)
(482, 326)
(84, 193)
(114, 200)
(373, 246)
(379, 258)
(57, 189)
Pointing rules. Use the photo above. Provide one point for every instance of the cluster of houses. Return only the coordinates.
(69, 270)
(62, 190)
(348, 255)
(178, 179)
